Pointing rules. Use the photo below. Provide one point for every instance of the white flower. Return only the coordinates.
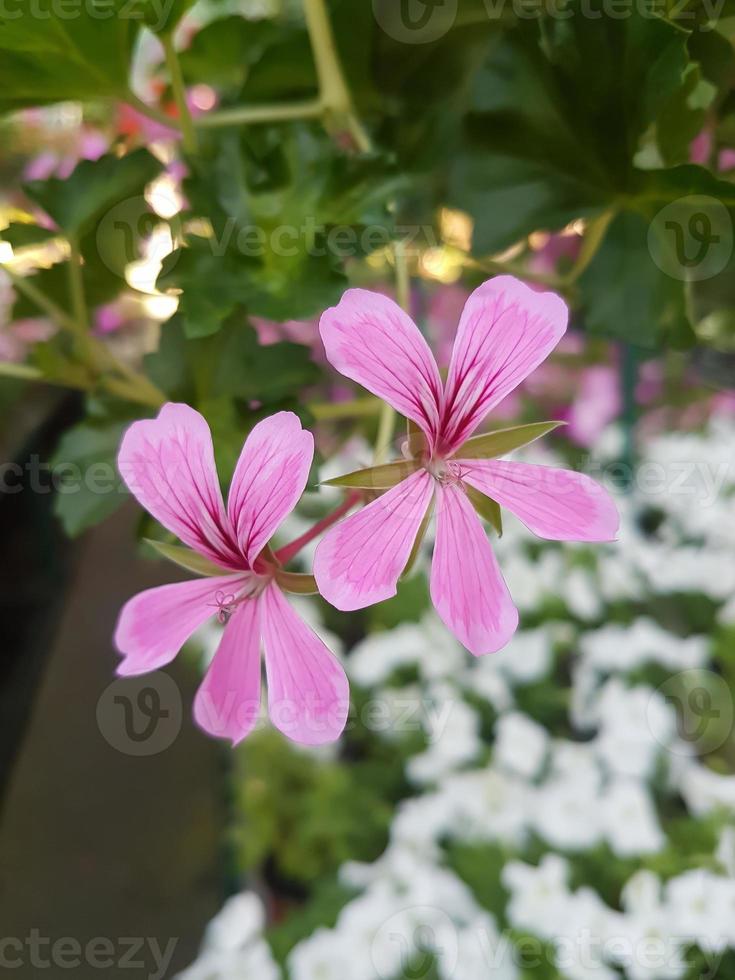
(420, 822)
(701, 907)
(539, 895)
(426, 645)
(489, 805)
(233, 945)
(566, 811)
(327, 955)
(453, 728)
(481, 952)
(241, 919)
(635, 725)
(624, 648)
(527, 657)
(705, 790)
(520, 744)
(725, 853)
(629, 820)
(581, 593)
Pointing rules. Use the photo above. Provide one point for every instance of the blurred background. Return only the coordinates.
(184, 189)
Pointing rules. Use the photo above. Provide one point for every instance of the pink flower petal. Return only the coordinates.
(557, 504)
(467, 587)
(308, 692)
(369, 338)
(155, 624)
(227, 704)
(168, 465)
(269, 479)
(505, 332)
(359, 561)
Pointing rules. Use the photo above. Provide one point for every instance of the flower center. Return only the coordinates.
(227, 602)
(448, 472)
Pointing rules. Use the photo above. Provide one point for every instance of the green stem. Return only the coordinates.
(335, 96)
(179, 92)
(249, 114)
(387, 421)
(354, 409)
(76, 290)
(9, 369)
(132, 384)
(24, 285)
(152, 112)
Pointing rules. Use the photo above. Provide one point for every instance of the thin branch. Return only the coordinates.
(179, 92)
(249, 114)
(335, 95)
(289, 551)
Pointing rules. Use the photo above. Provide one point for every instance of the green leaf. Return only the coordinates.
(377, 477)
(186, 558)
(225, 50)
(233, 364)
(648, 306)
(21, 235)
(296, 583)
(93, 189)
(502, 441)
(48, 56)
(419, 540)
(88, 486)
(486, 507)
(556, 126)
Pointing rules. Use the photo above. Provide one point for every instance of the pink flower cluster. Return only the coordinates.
(506, 330)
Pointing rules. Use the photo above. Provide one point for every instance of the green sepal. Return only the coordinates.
(188, 559)
(377, 477)
(493, 444)
(486, 507)
(296, 583)
(420, 535)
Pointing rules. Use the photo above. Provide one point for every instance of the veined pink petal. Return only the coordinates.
(557, 504)
(359, 560)
(227, 704)
(269, 479)
(168, 465)
(467, 587)
(369, 338)
(308, 692)
(155, 624)
(505, 332)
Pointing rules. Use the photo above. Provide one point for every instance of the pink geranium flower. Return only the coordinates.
(168, 464)
(505, 331)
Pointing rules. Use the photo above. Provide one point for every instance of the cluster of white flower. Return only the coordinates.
(531, 791)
